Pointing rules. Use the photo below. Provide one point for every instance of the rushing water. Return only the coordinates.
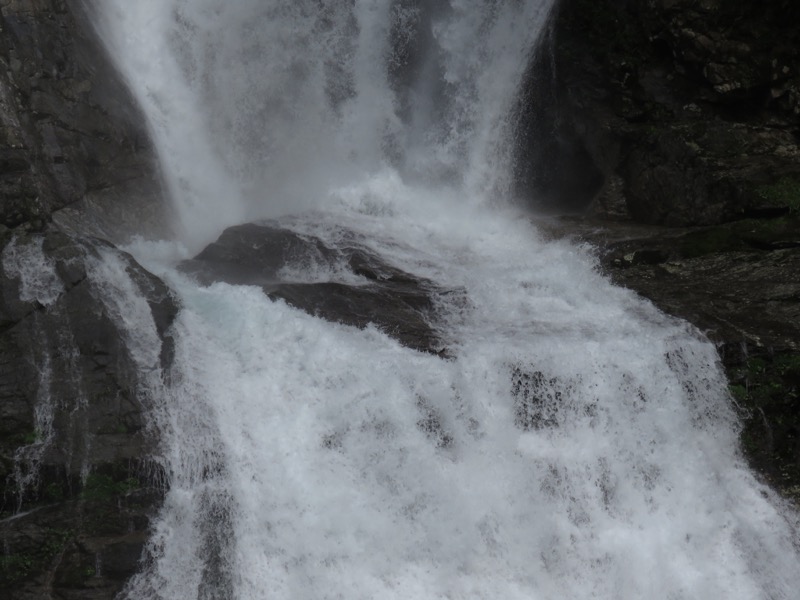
(576, 444)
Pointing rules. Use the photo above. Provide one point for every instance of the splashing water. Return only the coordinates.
(578, 444)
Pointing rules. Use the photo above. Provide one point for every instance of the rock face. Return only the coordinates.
(679, 114)
(77, 486)
(71, 138)
(356, 286)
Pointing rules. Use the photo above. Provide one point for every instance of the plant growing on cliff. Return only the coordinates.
(785, 193)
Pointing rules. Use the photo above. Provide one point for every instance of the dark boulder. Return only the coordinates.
(360, 287)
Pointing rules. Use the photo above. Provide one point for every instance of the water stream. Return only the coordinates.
(575, 443)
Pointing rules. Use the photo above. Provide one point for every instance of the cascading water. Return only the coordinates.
(575, 444)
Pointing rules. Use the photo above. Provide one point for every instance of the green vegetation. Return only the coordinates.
(56, 541)
(17, 566)
(788, 365)
(709, 241)
(25, 438)
(767, 388)
(783, 193)
(54, 492)
(746, 234)
(103, 487)
(14, 567)
(739, 393)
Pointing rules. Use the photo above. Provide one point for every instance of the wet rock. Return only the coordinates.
(358, 287)
(738, 282)
(683, 111)
(71, 136)
(78, 484)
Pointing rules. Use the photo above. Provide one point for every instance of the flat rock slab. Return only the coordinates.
(344, 284)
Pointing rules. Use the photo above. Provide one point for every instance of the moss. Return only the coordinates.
(767, 388)
(756, 366)
(739, 393)
(747, 234)
(23, 438)
(54, 492)
(788, 366)
(55, 541)
(100, 487)
(783, 193)
(709, 241)
(15, 567)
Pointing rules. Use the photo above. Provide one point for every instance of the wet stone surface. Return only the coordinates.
(359, 287)
(78, 480)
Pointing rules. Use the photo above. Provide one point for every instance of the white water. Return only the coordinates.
(297, 461)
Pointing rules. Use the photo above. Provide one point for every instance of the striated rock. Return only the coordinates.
(77, 481)
(356, 287)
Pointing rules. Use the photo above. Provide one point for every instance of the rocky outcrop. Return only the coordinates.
(82, 346)
(682, 112)
(77, 483)
(73, 145)
(356, 287)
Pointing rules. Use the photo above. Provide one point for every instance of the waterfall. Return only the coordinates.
(572, 443)
(266, 108)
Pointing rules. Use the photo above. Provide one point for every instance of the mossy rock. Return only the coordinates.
(782, 194)
(29, 561)
(747, 234)
(767, 389)
(101, 488)
(709, 241)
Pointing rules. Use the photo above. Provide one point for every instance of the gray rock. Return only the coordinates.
(71, 136)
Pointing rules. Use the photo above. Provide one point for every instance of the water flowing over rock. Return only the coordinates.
(78, 479)
(461, 407)
(362, 289)
(78, 483)
(685, 114)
